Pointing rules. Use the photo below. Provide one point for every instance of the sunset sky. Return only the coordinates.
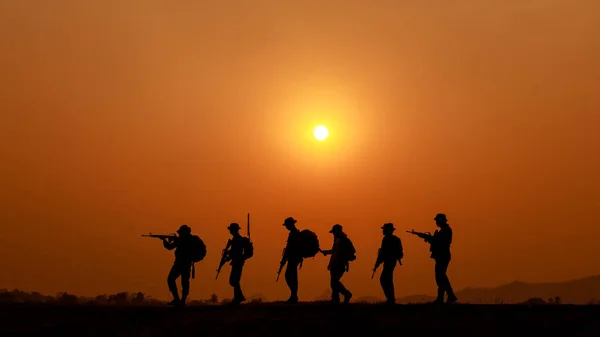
(122, 117)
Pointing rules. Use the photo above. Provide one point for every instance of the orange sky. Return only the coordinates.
(123, 117)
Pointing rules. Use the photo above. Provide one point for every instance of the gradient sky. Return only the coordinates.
(124, 117)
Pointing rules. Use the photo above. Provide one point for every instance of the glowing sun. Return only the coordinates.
(321, 132)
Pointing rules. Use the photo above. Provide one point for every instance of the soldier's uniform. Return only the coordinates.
(182, 265)
(338, 263)
(390, 252)
(237, 255)
(440, 252)
(292, 255)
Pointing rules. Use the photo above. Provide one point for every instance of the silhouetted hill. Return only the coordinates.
(579, 291)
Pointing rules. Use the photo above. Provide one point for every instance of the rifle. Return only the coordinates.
(224, 257)
(248, 222)
(161, 236)
(281, 264)
(376, 264)
(425, 236)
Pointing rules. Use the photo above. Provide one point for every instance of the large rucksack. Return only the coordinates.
(198, 249)
(350, 250)
(309, 243)
(248, 249)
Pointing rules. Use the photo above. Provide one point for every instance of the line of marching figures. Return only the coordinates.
(302, 244)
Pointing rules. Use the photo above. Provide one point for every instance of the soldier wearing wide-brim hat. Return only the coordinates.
(440, 252)
(341, 253)
(292, 256)
(391, 251)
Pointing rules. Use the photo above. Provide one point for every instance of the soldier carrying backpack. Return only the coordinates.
(391, 251)
(300, 245)
(189, 250)
(238, 250)
(342, 253)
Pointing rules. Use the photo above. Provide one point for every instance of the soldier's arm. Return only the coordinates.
(169, 245)
(381, 253)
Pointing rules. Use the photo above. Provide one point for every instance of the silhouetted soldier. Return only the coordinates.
(440, 252)
(341, 253)
(292, 255)
(241, 250)
(182, 265)
(390, 252)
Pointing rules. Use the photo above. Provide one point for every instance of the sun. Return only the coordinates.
(321, 132)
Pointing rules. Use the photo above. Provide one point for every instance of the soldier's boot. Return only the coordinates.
(238, 300)
(292, 300)
(176, 299)
(335, 298)
(440, 297)
(347, 297)
(451, 297)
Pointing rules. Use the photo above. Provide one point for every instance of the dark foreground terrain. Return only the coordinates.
(302, 320)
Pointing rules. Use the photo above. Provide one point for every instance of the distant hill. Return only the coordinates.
(579, 291)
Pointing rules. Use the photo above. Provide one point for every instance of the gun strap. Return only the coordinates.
(193, 271)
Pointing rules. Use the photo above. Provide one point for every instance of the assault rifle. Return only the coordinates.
(161, 236)
(425, 236)
(224, 257)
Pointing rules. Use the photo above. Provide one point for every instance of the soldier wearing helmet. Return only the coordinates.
(240, 250)
(182, 265)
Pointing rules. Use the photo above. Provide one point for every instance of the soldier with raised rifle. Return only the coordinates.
(390, 252)
(440, 243)
(185, 252)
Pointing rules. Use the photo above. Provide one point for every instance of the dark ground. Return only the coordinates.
(302, 320)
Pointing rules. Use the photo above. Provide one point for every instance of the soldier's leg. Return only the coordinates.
(451, 296)
(173, 275)
(387, 282)
(185, 282)
(234, 281)
(291, 278)
(335, 284)
(441, 265)
(341, 286)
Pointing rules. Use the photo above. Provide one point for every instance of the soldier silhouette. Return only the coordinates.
(440, 251)
(182, 265)
(241, 249)
(390, 252)
(341, 253)
(292, 255)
